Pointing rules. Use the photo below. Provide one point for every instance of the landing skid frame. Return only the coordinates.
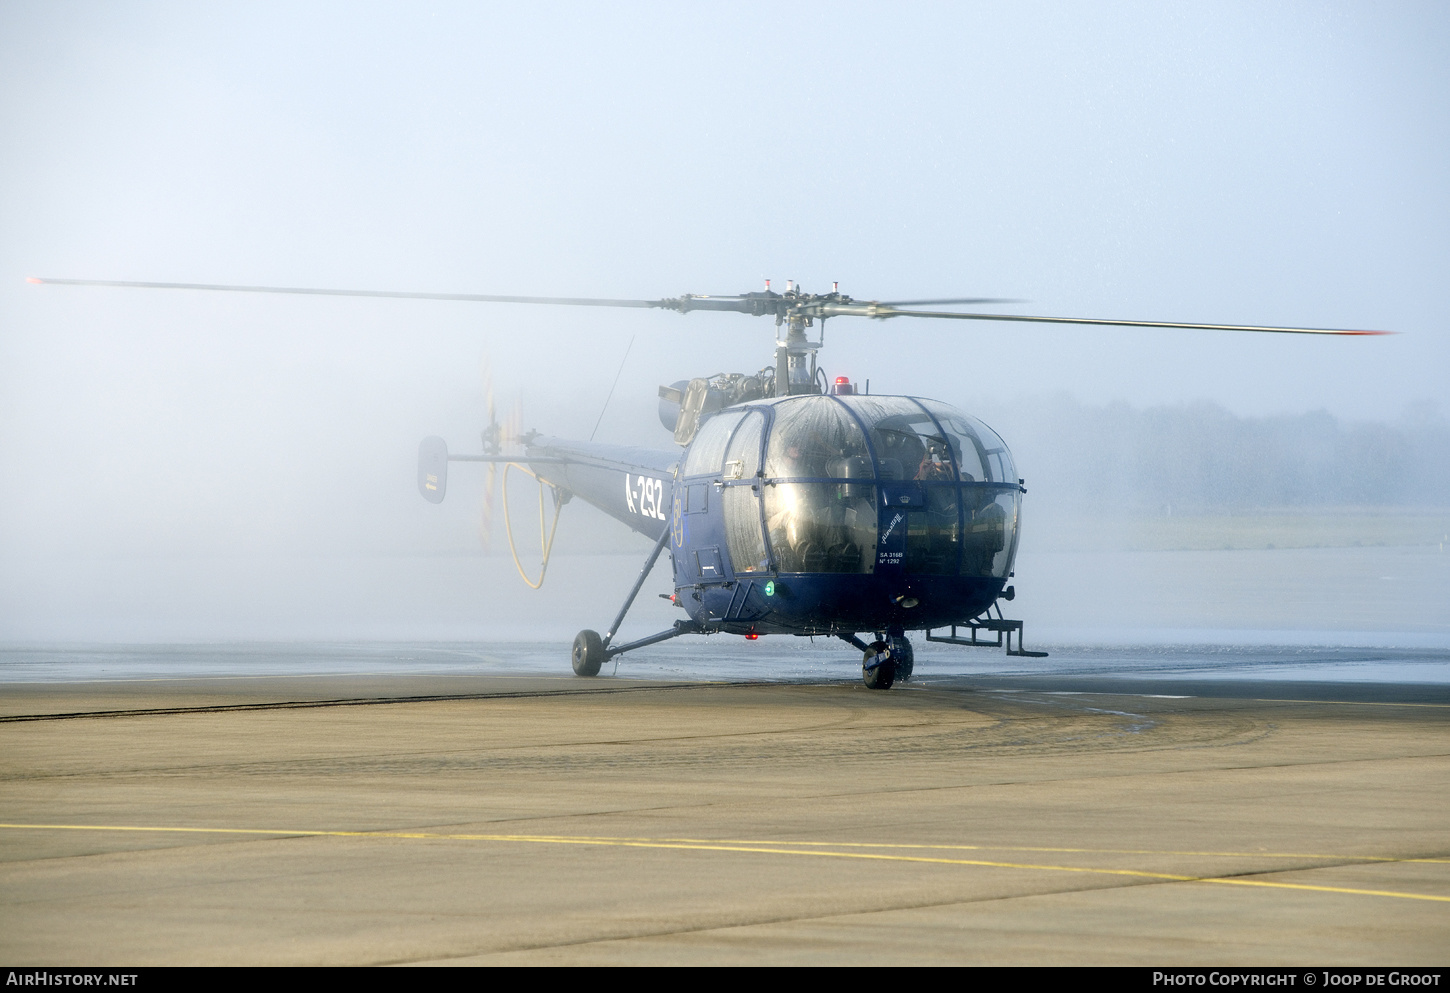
(1002, 627)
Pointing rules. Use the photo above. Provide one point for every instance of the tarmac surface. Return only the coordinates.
(389, 816)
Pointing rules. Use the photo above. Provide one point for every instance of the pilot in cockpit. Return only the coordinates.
(934, 464)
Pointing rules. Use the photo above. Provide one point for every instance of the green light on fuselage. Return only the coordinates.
(770, 588)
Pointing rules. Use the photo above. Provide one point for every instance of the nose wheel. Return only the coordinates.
(885, 662)
(878, 668)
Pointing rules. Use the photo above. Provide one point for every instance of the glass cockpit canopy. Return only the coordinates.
(827, 463)
(818, 437)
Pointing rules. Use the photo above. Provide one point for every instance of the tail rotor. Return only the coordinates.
(493, 442)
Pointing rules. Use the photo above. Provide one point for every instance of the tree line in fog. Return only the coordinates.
(1200, 457)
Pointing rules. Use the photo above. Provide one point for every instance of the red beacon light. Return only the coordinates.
(842, 387)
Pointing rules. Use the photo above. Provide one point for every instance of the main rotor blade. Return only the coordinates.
(1104, 322)
(758, 304)
(386, 294)
(937, 303)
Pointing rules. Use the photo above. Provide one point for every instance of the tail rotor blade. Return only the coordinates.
(492, 445)
(485, 523)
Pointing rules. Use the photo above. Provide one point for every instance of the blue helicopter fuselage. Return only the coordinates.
(816, 514)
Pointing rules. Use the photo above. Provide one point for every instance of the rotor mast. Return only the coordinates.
(795, 355)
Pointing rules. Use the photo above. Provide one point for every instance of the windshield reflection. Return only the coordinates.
(832, 464)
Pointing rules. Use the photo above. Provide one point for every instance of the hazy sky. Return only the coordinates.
(1259, 163)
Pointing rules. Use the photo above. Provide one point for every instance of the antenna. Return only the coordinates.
(611, 394)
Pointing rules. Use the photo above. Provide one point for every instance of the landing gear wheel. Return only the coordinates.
(876, 672)
(588, 653)
(904, 657)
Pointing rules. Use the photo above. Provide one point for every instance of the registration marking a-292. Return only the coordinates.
(645, 496)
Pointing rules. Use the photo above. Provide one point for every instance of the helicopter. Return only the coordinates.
(791, 503)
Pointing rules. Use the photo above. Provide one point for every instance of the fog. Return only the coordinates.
(179, 465)
(1199, 458)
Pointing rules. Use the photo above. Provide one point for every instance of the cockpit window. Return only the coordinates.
(743, 533)
(908, 444)
(707, 451)
(981, 455)
(816, 438)
(995, 449)
(742, 461)
(822, 527)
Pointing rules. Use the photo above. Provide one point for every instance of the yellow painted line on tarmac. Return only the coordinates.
(1209, 696)
(759, 848)
(1068, 851)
